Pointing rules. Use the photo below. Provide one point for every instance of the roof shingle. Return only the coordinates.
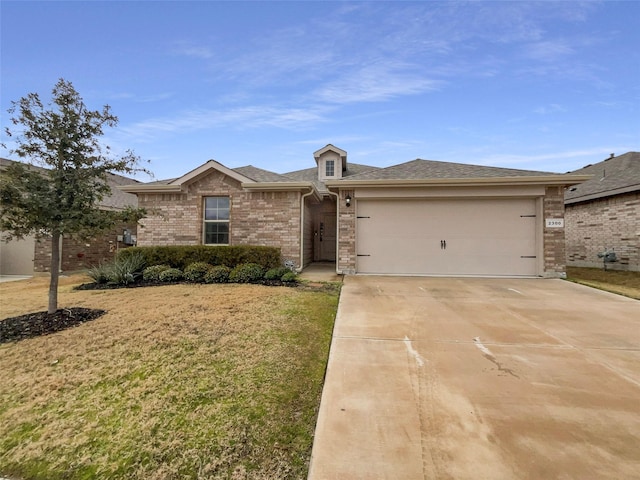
(611, 177)
(423, 169)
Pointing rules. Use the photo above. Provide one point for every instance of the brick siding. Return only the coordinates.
(79, 254)
(553, 238)
(611, 223)
(347, 235)
(256, 218)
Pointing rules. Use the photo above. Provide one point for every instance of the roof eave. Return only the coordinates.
(557, 180)
(146, 188)
(608, 193)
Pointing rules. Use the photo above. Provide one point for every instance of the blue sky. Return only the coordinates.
(548, 86)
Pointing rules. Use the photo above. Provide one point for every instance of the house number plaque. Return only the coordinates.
(554, 222)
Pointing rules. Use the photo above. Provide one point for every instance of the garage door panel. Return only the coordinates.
(483, 237)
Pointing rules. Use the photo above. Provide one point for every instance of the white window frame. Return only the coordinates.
(216, 220)
(326, 168)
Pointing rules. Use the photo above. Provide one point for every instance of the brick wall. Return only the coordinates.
(347, 235)
(553, 238)
(256, 218)
(79, 254)
(611, 223)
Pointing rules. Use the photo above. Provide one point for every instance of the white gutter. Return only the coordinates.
(153, 188)
(563, 180)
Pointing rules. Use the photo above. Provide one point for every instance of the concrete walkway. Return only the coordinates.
(439, 378)
(13, 278)
(321, 272)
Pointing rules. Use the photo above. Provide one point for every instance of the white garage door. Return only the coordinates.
(447, 237)
(16, 256)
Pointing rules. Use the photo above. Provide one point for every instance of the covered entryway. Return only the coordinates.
(324, 226)
(476, 236)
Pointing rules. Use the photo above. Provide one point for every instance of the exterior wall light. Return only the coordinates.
(348, 200)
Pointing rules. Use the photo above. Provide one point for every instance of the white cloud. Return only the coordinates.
(377, 82)
(549, 50)
(188, 49)
(246, 117)
(549, 109)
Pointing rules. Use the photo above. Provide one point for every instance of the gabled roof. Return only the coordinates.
(176, 184)
(261, 175)
(430, 172)
(613, 176)
(418, 169)
(311, 174)
(116, 200)
(330, 148)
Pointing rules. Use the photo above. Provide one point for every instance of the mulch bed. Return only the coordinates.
(36, 324)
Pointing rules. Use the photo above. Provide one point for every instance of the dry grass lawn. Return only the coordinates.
(615, 281)
(174, 382)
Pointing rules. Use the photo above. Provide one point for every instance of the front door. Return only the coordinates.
(327, 237)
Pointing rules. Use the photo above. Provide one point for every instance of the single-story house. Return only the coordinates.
(417, 218)
(603, 214)
(33, 255)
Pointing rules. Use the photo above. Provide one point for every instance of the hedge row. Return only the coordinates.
(184, 255)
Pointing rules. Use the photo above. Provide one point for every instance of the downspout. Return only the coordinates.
(299, 269)
(339, 272)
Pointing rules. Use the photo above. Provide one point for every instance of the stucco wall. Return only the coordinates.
(256, 218)
(611, 223)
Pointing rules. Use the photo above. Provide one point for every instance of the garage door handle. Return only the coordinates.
(443, 244)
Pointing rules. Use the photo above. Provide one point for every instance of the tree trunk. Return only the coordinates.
(55, 272)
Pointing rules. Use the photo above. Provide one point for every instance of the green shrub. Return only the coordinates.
(152, 274)
(100, 273)
(122, 271)
(218, 274)
(246, 273)
(126, 270)
(276, 273)
(180, 256)
(171, 275)
(196, 272)
(289, 277)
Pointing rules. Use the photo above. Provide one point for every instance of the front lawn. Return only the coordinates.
(615, 281)
(173, 382)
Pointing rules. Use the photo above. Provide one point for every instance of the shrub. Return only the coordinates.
(126, 270)
(217, 274)
(122, 271)
(180, 256)
(246, 273)
(100, 274)
(152, 274)
(196, 271)
(289, 277)
(171, 275)
(276, 273)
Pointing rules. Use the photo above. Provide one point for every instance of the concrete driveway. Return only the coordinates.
(467, 378)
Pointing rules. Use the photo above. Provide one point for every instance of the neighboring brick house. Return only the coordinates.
(417, 218)
(32, 255)
(603, 214)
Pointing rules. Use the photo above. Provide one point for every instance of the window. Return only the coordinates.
(216, 220)
(329, 168)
